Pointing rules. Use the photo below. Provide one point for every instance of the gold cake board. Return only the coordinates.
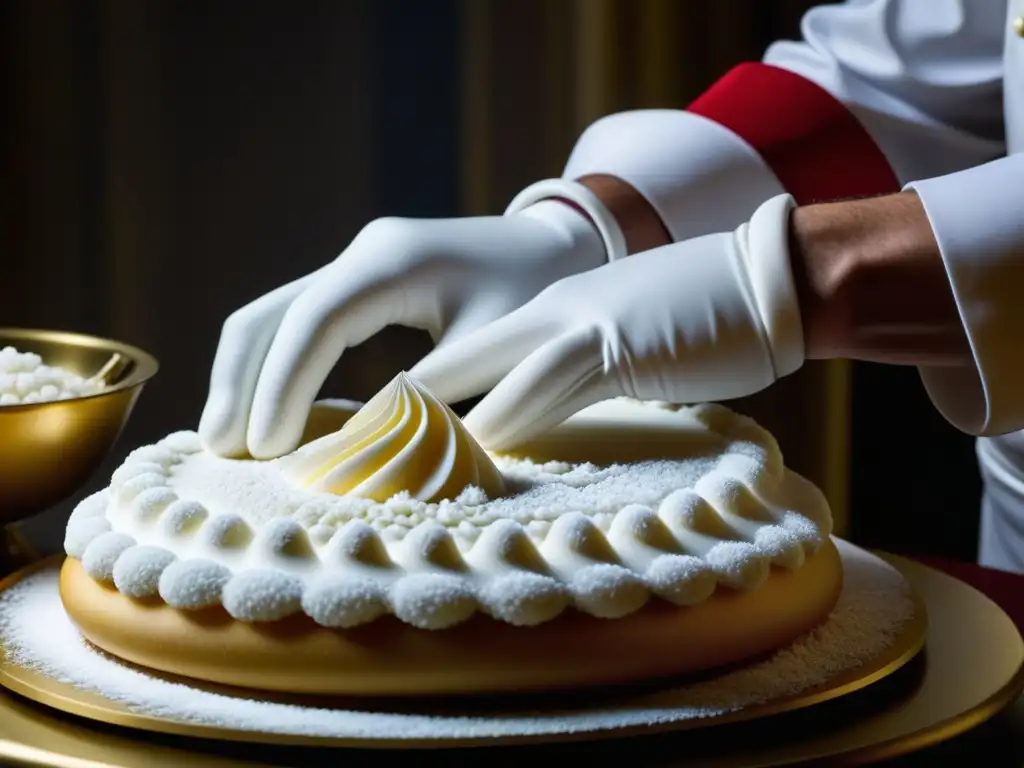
(971, 669)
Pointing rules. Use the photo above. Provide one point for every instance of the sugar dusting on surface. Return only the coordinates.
(259, 493)
(37, 634)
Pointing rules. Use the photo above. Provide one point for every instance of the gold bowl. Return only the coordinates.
(49, 450)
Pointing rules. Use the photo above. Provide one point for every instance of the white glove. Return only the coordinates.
(707, 319)
(444, 276)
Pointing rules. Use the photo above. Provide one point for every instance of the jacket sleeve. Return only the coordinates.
(875, 96)
(978, 219)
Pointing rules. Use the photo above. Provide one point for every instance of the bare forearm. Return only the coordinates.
(872, 285)
(640, 223)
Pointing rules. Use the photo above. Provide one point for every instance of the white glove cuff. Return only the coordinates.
(764, 243)
(607, 226)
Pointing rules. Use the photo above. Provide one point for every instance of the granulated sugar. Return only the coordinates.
(874, 605)
(24, 380)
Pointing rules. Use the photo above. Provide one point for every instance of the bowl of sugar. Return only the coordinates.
(64, 399)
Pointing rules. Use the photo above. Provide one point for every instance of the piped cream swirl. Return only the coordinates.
(403, 440)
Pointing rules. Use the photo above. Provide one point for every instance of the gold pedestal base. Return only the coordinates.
(963, 678)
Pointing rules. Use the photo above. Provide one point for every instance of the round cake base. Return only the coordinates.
(390, 658)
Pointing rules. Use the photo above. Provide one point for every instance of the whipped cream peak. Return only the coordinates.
(404, 440)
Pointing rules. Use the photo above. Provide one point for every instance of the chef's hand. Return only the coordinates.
(444, 276)
(707, 319)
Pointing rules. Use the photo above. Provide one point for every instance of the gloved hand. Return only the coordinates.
(707, 319)
(445, 276)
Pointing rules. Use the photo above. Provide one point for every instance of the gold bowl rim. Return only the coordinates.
(145, 368)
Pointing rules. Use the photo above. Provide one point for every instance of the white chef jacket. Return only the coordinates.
(878, 95)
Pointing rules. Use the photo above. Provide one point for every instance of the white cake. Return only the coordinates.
(402, 514)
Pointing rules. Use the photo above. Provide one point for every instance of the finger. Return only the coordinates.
(343, 309)
(327, 416)
(557, 380)
(244, 341)
(470, 365)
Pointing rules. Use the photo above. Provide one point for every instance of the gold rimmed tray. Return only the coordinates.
(913, 718)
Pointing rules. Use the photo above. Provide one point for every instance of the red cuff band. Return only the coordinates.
(817, 149)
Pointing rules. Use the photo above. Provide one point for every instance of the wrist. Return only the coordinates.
(627, 222)
(641, 225)
(872, 285)
(581, 247)
(762, 243)
(584, 202)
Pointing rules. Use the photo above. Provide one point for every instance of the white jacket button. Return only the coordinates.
(1018, 26)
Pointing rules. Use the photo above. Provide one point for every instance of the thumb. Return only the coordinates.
(560, 378)
(470, 365)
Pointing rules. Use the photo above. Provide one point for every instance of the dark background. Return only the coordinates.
(165, 162)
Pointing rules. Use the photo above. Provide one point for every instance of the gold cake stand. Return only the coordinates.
(970, 670)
